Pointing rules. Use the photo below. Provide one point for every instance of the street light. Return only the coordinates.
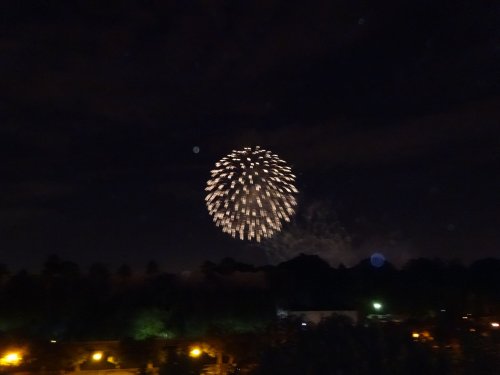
(195, 352)
(377, 306)
(97, 356)
(11, 359)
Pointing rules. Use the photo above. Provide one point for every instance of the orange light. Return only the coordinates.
(97, 356)
(195, 352)
(112, 360)
(11, 359)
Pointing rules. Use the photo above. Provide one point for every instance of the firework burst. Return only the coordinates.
(250, 193)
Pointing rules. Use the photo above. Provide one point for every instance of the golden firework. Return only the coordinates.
(250, 193)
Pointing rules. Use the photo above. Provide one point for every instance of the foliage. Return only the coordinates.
(229, 297)
(151, 323)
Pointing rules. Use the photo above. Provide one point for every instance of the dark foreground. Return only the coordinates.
(289, 346)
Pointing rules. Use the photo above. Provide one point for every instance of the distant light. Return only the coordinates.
(97, 356)
(464, 317)
(112, 359)
(426, 334)
(195, 352)
(377, 260)
(303, 324)
(415, 335)
(472, 330)
(53, 341)
(196, 149)
(443, 310)
(377, 305)
(11, 359)
(495, 324)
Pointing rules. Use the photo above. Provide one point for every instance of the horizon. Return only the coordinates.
(141, 269)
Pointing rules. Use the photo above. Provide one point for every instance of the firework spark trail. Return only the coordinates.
(250, 193)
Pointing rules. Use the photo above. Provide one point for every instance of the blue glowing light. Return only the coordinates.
(377, 260)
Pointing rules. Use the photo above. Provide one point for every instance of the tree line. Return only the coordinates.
(63, 302)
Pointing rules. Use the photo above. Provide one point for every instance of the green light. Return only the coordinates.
(377, 306)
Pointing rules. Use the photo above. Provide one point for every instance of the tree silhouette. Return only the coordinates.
(152, 268)
(124, 272)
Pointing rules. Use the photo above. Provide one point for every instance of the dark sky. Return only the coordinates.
(388, 112)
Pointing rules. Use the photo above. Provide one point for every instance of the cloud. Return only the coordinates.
(456, 132)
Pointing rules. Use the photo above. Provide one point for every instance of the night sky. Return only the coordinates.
(387, 111)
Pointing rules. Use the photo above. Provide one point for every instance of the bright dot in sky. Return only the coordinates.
(196, 149)
(377, 260)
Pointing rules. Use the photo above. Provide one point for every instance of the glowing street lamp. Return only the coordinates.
(377, 306)
(195, 352)
(97, 356)
(495, 324)
(11, 359)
